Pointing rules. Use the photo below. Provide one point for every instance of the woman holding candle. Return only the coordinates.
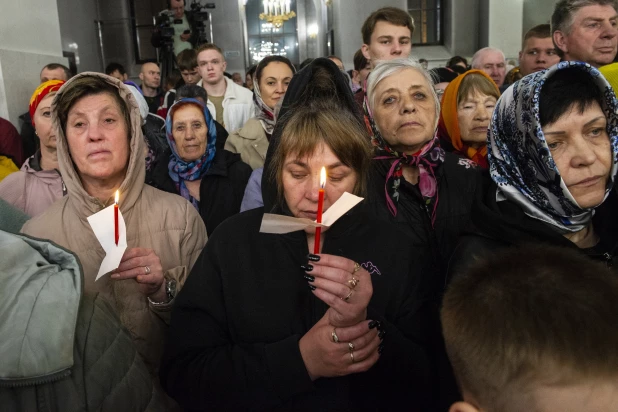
(101, 150)
(428, 192)
(39, 183)
(343, 329)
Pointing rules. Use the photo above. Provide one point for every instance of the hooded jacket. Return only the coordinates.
(163, 222)
(32, 189)
(62, 349)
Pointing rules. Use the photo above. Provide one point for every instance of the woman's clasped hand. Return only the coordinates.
(144, 266)
(343, 341)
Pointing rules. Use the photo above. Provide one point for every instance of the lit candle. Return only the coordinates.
(116, 231)
(265, 6)
(318, 230)
(287, 6)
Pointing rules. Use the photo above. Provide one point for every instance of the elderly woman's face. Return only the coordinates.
(473, 115)
(301, 181)
(190, 132)
(405, 111)
(580, 147)
(98, 137)
(43, 122)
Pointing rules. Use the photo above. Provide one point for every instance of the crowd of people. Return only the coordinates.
(476, 274)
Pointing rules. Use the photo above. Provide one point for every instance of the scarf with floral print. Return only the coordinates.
(428, 159)
(180, 170)
(520, 161)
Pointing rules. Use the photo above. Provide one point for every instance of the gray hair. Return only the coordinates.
(386, 68)
(479, 53)
(562, 17)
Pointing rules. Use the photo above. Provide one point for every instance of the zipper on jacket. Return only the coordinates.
(20, 383)
(64, 187)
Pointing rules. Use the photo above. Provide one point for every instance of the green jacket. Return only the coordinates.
(61, 350)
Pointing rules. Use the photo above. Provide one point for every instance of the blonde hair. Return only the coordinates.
(527, 317)
(324, 122)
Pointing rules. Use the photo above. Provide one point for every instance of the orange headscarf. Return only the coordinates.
(449, 126)
(39, 94)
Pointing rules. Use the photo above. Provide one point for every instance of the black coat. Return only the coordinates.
(30, 140)
(457, 184)
(498, 225)
(235, 329)
(221, 190)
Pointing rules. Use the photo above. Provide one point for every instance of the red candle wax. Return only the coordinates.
(318, 230)
(116, 231)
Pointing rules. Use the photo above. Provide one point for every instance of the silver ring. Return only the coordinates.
(351, 346)
(147, 270)
(334, 336)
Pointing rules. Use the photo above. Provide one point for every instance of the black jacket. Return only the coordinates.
(457, 184)
(221, 189)
(30, 141)
(497, 225)
(236, 324)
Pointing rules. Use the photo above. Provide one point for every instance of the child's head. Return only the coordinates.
(534, 329)
(172, 80)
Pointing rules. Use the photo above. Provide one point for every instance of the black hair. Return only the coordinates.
(442, 75)
(269, 59)
(112, 67)
(306, 62)
(568, 89)
(191, 91)
(453, 61)
(54, 66)
(251, 70)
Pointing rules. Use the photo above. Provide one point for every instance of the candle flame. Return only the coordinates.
(322, 177)
(116, 197)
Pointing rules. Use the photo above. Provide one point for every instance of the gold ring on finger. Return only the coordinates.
(333, 334)
(353, 282)
(348, 296)
(352, 356)
(357, 267)
(351, 346)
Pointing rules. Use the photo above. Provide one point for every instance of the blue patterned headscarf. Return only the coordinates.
(520, 161)
(179, 170)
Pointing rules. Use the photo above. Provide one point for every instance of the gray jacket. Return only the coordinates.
(61, 350)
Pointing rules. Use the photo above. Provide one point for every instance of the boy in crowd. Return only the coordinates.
(387, 35)
(534, 329)
(537, 51)
(117, 70)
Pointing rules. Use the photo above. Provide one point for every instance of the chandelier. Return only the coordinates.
(277, 12)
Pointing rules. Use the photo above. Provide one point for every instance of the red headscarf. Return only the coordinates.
(39, 94)
(448, 125)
